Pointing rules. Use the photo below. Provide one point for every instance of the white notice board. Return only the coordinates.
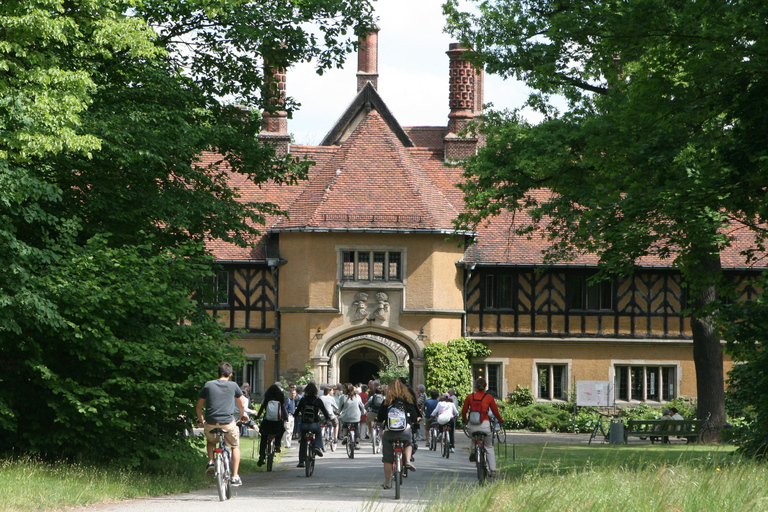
(594, 393)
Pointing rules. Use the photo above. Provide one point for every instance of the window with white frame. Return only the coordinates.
(492, 374)
(251, 372)
(371, 265)
(552, 381)
(645, 383)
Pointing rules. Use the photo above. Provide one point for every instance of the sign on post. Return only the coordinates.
(594, 393)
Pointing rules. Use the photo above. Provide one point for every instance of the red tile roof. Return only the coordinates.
(372, 182)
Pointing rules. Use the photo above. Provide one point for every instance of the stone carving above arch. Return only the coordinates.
(400, 352)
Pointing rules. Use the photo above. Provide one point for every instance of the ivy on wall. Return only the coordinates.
(448, 365)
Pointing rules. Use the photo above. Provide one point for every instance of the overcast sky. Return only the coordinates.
(413, 75)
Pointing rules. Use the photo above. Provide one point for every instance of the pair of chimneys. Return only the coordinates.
(465, 97)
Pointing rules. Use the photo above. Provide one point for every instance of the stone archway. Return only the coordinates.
(359, 357)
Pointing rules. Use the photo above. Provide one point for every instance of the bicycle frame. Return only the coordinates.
(483, 473)
(309, 456)
(270, 451)
(222, 465)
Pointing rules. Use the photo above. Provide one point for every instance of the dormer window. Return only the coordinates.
(373, 265)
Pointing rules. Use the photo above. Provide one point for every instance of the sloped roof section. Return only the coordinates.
(373, 183)
(365, 101)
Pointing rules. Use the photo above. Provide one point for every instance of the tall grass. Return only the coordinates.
(29, 485)
(602, 479)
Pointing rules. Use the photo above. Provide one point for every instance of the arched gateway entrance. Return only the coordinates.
(357, 358)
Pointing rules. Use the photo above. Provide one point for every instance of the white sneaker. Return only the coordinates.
(236, 482)
(453, 451)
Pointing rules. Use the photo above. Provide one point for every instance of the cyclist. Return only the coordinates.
(352, 410)
(330, 405)
(308, 413)
(373, 404)
(397, 414)
(219, 398)
(274, 417)
(429, 407)
(446, 413)
(474, 413)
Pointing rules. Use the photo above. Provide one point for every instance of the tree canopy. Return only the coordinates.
(660, 150)
(105, 109)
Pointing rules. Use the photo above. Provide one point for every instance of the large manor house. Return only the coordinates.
(368, 268)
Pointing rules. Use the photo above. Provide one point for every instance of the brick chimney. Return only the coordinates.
(368, 59)
(465, 98)
(274, 129)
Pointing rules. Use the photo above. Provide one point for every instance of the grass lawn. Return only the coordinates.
(606, 478)
(28, 485)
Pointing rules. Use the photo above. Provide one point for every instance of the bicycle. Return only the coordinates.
(222, 465)
(309, 453)
(483, 472)
(708, 432)
(434, 433)
(445, 441)
(270, 451)
(329, 439)
(599, 428)
(376, 438)
(498, 430)
(350, 439)
(397, 467)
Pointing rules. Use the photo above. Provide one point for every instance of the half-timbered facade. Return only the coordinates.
(367, 267)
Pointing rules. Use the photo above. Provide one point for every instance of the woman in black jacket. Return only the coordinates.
(308, 414)
(269, 427)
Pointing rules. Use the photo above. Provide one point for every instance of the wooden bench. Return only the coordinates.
(658, 430)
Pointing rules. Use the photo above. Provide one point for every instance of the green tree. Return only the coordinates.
(448, 365)
(659, 152)
(746, 331)
(105, 109)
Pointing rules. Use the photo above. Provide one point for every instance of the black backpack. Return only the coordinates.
(308, 413)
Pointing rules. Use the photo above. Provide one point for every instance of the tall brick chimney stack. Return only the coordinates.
(275, 127)
(368, 59)
(465, 98)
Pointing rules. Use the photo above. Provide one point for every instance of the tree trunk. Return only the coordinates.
(707, 350)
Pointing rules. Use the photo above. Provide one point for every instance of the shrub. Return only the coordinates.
(448, 365)
(521, 397)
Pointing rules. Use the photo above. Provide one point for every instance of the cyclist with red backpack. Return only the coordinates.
(474, 413)
(397, 414)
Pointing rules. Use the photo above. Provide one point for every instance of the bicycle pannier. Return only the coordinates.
(476, 410)
(274, 411)
(396, 421)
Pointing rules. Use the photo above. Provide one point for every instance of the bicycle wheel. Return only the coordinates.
(466, 430)
(433, 440)
(270, 453)
(480, 456)
(350, 446)
(707, 435)
(309, 459)
(501, 434)
(221, 482)
(442, 445)
(398, 475)
(227, 473)
(447, 444)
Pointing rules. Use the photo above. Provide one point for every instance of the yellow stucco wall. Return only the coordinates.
(594, 360)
